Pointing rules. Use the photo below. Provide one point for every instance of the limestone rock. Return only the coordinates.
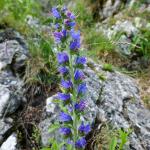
(10, 143)
(13, 55)
(115, 100)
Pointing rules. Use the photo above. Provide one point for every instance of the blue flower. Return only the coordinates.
(63, 117)
(62, 58)
(65, 131)
(74, 45)
(82, 89)
(80, 106)
(81, 143)
(56, 13)
(63, 96)
(63, 70)
(78, 75)
(80, 60)
(64, 32)
(75, 35)
(58, 36)
(66, 84)
(69, 23)
(84, 129)
(70, 15)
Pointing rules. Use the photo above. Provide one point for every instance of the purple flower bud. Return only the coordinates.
(63, 96)
(80, 106)
(81, 143)
(66, 84)
(84, 129)
(55, 13)
(58, 36)
(69, 23)
(74, 45)
(64, 32)
(70, 15)
(75, 35)
(63, 70)
(62, 58)
(70, 109)
(80, 60)
(63, 117)
(65, 131)
(78, 75)
(57, 25)
(82, 89)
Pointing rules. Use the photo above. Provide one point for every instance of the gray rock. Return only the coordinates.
(107, 8)
(12, 58)
(110, 8)
(13, 54)
(116, 101)
(10, 143)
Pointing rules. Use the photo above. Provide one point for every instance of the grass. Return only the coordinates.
(14, 13)
(41, 67)
(110, 139)
(83, 13)
(97, 43)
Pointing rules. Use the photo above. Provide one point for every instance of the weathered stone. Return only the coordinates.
(115, 100)
(10, 143)
(13, 58)
(13, 54)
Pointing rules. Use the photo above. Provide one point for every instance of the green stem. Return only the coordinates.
(74, 98)
(60, 2)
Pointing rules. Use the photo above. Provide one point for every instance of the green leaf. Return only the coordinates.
(113, 144)
(53, 127)
(56, 101)
(45, 149)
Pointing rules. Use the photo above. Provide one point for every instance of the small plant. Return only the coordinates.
(36, 134)
(108, 67)
(140, 43)
(146, 100)
(71, 99)
(119, 141)
(97, 43)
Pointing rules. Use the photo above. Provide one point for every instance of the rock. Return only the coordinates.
(110, 8)
(10, 143)
(123, 45)
(13, 55)
(104, 9)
(125, 26)
(115, 100)
(12, 58)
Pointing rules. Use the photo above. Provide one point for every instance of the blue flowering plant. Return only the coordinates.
(71, 99)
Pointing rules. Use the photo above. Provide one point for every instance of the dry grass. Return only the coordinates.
(143, 80)
(101, 138)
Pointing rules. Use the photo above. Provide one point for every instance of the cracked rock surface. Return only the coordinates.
(13, 55)
(115, 100)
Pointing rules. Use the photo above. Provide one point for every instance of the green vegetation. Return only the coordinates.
(108, 67)
(111, 139)
(84, 14)
(118, 141)
(141, 44)
(14, 13)
(41, 67)
(97, 43)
